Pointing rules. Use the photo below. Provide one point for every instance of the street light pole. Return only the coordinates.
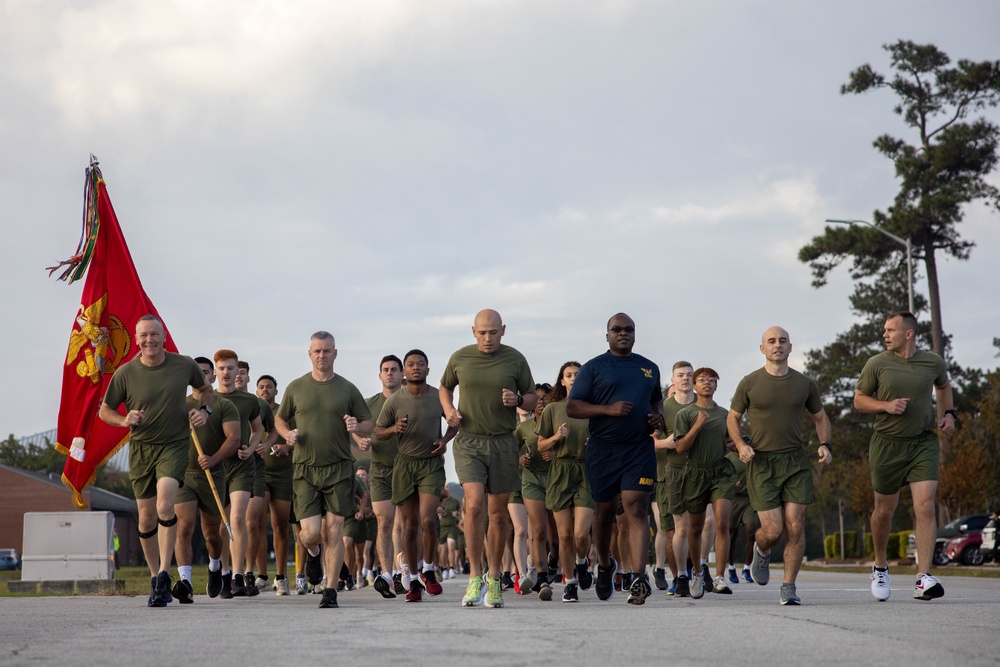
(897, 239)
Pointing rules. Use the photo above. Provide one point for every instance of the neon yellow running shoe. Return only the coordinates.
(474, 592)
(494, 593)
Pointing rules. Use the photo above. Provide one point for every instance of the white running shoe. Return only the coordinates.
(880, 584)
(928, 588)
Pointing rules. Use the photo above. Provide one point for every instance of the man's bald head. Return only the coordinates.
(775, 332)
(776, 345)
(488, 328)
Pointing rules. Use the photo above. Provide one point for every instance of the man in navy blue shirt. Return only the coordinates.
(620, 393)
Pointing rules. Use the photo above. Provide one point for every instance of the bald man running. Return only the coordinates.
(494, 380)
(779, 469)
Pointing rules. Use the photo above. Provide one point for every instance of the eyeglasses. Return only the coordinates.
(704, 379)
(621, 329)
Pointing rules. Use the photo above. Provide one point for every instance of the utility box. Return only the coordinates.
(62, 546)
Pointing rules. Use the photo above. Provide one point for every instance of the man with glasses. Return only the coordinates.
(779, 469)
(619, 392)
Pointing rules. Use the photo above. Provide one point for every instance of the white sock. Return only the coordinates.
(226, 571)
(214, 564)
(365, 572)
(704, 561)
(428, 567)
(571, 581)
(184, 572)
(309, 551)
(581, 561)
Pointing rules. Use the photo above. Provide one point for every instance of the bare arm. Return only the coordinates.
(825, 432)
(945, 401)
(736, 435)
(111, 417)
(365, 428)
(582, 410)
(870, 404)
(451, 415)
(232, 443)
(687, 440)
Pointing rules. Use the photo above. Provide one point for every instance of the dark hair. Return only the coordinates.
(267, 377)
(244, 365)
(710, 372)
(390, 357)
(204, 360)
(909, 320)
(559, 389)
(418, 353)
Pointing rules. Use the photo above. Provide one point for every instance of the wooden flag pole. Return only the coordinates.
(211, 482)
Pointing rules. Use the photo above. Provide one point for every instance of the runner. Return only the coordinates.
(534, 480)
(493, 379)
(278, 484)
(896, 386)
(619, 392)
(741, 514)
(414, 416)
(779, 470)
(326, 409)
(152, 386)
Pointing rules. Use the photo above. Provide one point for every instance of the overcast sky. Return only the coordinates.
(383, 170)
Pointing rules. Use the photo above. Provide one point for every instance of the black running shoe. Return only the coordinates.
(605, 580)
(251, 584)
(627, 580)
(584, 576)
(329, 600)
(350, 583)
(314, 567)
(214, 583)
(384, 588)
(707, 577)
(227, 587)
(397, 584)
(163, 587)
(506, 582)
(683, 587)
(639, 590)
(239, 587)
(154, 599)
(660, 579)
(183, 591)
(570, 593)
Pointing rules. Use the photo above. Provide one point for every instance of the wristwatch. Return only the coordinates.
(952, 412)
(207, 409)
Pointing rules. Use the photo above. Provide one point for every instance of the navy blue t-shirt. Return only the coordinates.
(608, 379)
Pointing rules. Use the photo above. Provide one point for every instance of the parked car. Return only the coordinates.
(963, 525)
(10, 559)
(965, 549)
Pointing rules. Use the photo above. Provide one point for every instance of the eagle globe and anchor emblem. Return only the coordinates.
(103, 347)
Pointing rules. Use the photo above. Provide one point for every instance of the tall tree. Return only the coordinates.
(941, 172)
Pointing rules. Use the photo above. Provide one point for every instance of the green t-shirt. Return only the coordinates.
(574, 445)
(480, 379)
(249, 407)
(318, 409)
(670, 409)
(775, 405)
(161, 393)
(274, 463)
(452, 511)
(425, 415)
(741, 473)
(710, 444)
(211, 436)
(887, 377)
(383, 452)
(526, 435)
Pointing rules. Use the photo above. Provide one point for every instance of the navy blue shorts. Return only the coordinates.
(616, 468)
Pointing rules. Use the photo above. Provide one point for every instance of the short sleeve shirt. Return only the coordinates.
(710, 444)
(161, 393)
(526, 435)
(424, 415)
(383, 451)
(775, 406)
(249, 407)
(211, 435)
(607, 379)
(318, 409)
(574, 445)
(887, 377)
(480, 379)
(670, 409)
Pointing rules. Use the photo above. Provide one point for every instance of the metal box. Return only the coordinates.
(60, 546)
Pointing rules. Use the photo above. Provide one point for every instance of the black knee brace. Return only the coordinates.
(144, 536)
(168, 522)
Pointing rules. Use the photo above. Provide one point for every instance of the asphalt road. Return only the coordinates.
(838, 623)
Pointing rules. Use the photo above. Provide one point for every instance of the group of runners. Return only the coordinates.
(559, 481)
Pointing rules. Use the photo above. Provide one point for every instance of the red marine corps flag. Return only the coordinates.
(101, 340)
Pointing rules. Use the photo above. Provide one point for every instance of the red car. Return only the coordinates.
(965, 548)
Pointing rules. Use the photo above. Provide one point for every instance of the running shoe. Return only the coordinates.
(605, 580)
(719, 586)
(627, 580)
(301, 585)
(183, 591)
(321, 586)
(619, 581)
(639, 590)
(880, 584)
(430, 582)
(239, 586)
(163, 586)
(314, 566)
(397, 584)
(251, 584)
(706, 576)
(746, 575)
(227, 587)
(527, 582)
(262, 582)
(451, 573)
(927, 588)
(155, 600)
(281, 587)
(416, 592)
(370, 579)
(506, 583)
(698, 586)
(329, 600)
(584, 576)
(788, 596)
(733, 579)
(383, 584)
(660, 579)
(214, 586)
(350, 584)
(760, 569)
(545, 592)
(570, 593)
(494, 594)
(474, 592)
(683, 587)
(517, 583)
(673, 587)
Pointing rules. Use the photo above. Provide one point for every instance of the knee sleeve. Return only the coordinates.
(168, 522)
(144, 536)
